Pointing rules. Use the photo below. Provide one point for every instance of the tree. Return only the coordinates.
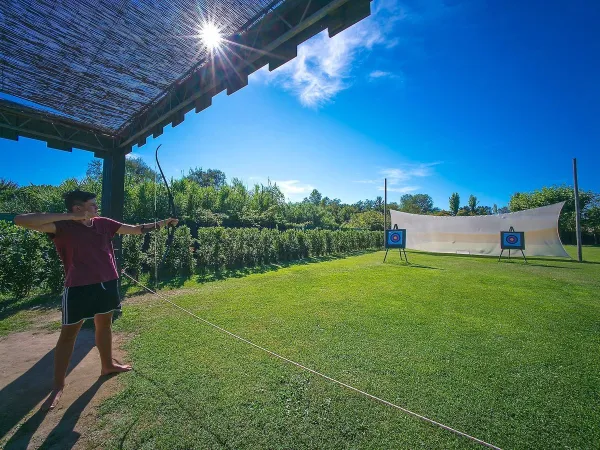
(208, 178)
(379, 203)
(503, 210)
(369, 205)
(592, 220)
(138, 171)
(7, 187)
(554, 194)
(473, 203)
(346, 212)
(8, 195)
(416, 204)
(315, 197)
(454, 203)
(368, 220)
(495, 209)
(483, 211)
(94, 169)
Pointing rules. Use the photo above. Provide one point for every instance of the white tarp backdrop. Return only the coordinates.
(480, 235)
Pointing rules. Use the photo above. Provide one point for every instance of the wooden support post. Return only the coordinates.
(113, 194)
(577, 212)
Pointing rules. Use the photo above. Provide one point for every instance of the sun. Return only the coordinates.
(211, 36)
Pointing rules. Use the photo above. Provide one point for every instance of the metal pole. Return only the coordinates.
(577, 211)
(384, 206)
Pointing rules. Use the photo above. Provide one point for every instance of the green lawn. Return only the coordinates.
(506, 352)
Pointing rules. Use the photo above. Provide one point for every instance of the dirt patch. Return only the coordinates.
(26, 370)
(45, 320)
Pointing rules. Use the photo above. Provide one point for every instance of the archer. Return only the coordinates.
(83, 241)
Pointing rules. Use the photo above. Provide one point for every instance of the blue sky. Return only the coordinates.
(476, 97)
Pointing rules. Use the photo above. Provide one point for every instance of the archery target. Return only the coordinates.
(513, 240)
(395, 239)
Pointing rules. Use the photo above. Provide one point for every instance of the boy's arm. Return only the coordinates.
(145, 228)
(44, 222)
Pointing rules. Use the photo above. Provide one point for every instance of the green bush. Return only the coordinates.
(218, 248)
(133, 255)
(53, 271)
(28, 259)
(21, 260)
(180, 260)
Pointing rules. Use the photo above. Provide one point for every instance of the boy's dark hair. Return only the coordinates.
(77, 197)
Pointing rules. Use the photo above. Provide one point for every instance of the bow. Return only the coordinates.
(171, 233)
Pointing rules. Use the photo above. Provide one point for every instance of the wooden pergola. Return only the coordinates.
(103, 75)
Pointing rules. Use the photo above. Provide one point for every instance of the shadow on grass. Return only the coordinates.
(11, 306)
(529, 264)
(129, 288)
(568, 261)
(421, 266)
(491, 257)
(410, 265)
(41, 303)
(168, 396)
(273, 267)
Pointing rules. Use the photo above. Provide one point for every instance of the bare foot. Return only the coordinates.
(116, 368)
(52, 400)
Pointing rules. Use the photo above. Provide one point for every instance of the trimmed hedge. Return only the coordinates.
(29, 261)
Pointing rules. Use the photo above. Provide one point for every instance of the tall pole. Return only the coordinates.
(577, 211)
(384, 207)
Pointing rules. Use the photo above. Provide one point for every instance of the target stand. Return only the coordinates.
(395, 238)
(512, 240)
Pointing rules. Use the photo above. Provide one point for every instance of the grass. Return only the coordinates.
(506, 352)
(25, 314)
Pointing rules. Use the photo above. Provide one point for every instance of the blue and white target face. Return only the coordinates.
(396, 238)
(512, 240)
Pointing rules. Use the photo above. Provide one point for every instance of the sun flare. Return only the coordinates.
(211, 36)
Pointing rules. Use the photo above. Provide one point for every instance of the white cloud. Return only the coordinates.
(407, 172)
(403, 190)
(323, 65)
(398, 178)
(368, 181)
(293, 188)
(377, 75)
(380, 74)
(392, 43)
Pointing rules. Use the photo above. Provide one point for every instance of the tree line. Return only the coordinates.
(204, 198)
(228, 225)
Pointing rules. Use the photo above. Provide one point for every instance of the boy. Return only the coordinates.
(83, 241)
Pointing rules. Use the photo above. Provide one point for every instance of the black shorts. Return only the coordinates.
(84, 302)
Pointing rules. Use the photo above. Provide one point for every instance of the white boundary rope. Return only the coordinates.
(347, 386)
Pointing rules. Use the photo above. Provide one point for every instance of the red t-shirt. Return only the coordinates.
(86, 252)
